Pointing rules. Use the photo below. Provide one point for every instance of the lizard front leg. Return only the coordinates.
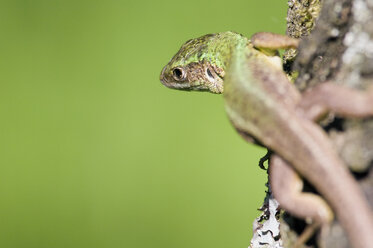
(325, 97)
(272, 41)
(287, 188)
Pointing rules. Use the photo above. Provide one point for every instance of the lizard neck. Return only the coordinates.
(225, 47)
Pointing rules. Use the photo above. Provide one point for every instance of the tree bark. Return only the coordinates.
(337, 45)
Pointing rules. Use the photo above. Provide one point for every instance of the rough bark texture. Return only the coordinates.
(337, 45)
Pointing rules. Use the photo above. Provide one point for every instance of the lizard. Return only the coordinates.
(267, 109)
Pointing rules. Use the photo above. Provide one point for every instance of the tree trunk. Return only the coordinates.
(337, 45)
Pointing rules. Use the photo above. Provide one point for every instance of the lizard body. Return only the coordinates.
(264, 106)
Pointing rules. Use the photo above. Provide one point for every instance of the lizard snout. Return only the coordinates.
(162, 77)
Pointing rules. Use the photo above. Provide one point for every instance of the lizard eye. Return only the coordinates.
(178, 74)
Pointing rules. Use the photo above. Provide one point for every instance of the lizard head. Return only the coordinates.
(196, 66)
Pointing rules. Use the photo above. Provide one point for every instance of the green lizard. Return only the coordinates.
(266, 108)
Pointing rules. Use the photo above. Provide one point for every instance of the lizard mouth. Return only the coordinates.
(185, 86)
(178, 86)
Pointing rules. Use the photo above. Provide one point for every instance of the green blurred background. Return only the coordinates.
(95, 152)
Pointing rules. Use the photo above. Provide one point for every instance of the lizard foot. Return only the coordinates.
(287, 188)
(309, 231)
